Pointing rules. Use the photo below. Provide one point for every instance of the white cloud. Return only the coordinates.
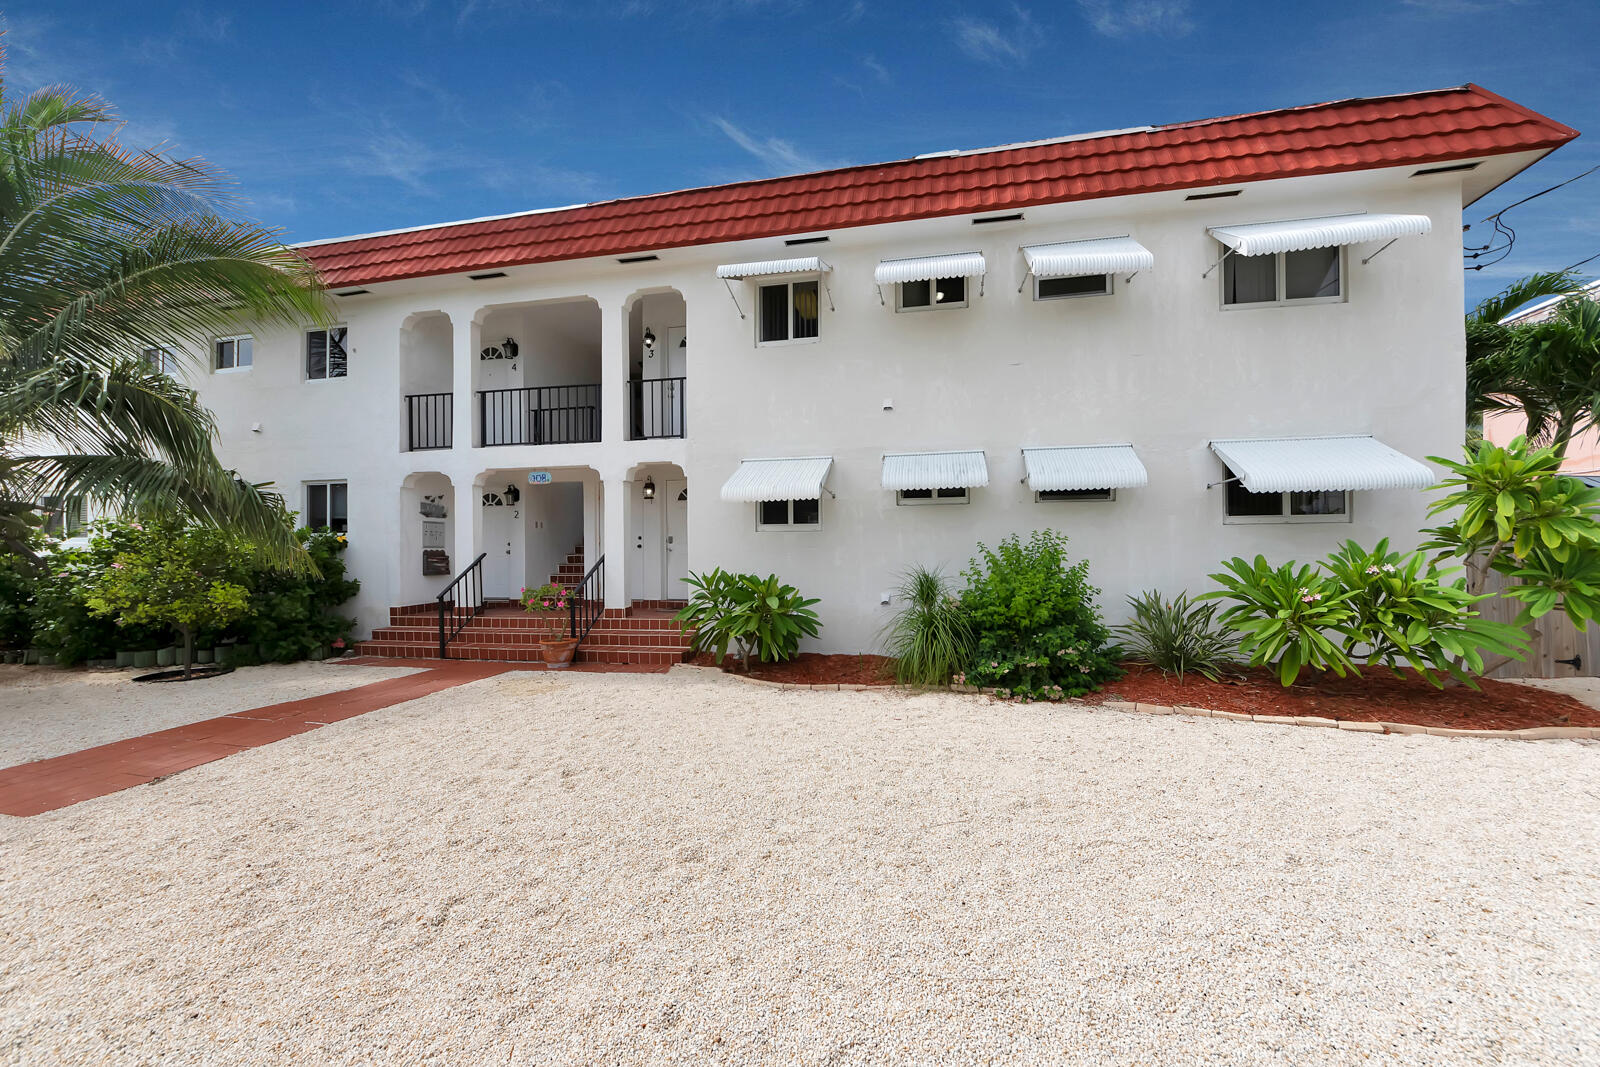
(780, 156)
(877, 69)
(1002, 45)
(1129, 18)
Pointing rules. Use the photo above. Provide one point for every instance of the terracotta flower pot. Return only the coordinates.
(558, 653)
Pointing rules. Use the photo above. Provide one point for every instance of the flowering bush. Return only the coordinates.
(1039, 633)
(548, 603)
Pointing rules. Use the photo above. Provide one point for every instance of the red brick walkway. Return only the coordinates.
(48, 784)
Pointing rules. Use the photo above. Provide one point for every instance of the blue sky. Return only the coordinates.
(344, 117)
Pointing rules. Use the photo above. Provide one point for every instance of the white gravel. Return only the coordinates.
(539, 868)
(46, 712)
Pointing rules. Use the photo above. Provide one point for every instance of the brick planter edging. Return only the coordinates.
(1532, 733)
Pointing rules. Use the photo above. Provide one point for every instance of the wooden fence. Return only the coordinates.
(1564, 651)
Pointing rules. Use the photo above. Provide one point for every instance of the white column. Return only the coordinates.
(618, 501)
(467, 520)
(613, 375)
(464, 357)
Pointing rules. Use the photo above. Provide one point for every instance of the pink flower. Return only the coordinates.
(118, 566)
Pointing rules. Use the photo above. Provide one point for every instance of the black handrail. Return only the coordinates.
(587, 602)
(471, 583)
(539, 415)
(657, 407)
(429, 420)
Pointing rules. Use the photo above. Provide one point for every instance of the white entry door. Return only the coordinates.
(677, 540)
(498, 535)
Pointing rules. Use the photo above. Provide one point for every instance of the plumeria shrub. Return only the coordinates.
(1359, 607)
(1038, 632)
(748, 613)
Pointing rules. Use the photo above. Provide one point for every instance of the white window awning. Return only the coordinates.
(759, 480)
(930, 268)
(1080, 259)
(935, 470)
(1295, 235)
(762, 268)
(1313, 464)
(1083, 467)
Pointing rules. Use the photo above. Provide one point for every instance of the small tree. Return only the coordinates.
(1515, 514)
(183, 576)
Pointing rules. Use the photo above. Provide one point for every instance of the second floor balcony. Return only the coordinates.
(539, 415)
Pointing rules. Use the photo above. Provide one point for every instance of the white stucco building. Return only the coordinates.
(835, 376)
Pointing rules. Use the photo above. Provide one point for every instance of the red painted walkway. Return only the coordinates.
(48, 784)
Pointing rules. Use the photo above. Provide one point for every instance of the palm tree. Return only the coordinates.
(1549, 370)
(106, 252)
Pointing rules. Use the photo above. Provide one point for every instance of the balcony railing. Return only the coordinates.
(657, 408)
(430, 418)
(540, 415)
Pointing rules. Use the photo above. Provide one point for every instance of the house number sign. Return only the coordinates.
(539, 478)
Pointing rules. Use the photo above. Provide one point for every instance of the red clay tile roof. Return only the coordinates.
(1418, 128)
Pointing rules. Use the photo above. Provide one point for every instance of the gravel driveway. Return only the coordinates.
(539, 868)
(46, 712)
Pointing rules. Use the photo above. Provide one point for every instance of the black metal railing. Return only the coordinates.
(430, 419)
(657, 407)
(588, 601)
(461, 600)
(540, 415)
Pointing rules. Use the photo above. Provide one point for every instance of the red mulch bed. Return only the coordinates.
(1376, 696)
(812, 668)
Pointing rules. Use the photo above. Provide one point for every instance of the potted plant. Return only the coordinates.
(548, 604)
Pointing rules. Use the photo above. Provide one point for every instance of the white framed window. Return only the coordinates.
(327, 506)
(233, 353)
(789, 515)
(1242, 507)
(910, 497)
(160, 361)
(1068, 288)
(326, 354)
(787, 312)
(1046, 495)
(935, 295)
(1310, 276)
(63, 518)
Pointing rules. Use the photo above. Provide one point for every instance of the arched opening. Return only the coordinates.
(426, 535)
(658, 534)
(426, 382)
(533, 527)
(536, 375)
(658, 354)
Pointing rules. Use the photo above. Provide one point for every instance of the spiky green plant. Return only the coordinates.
(1176, 636)
(106, 251)
(930, 637)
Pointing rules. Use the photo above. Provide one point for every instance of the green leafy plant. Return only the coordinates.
(1285, 614)
(748, 613)
(292, 612)
(930, 637)
(1177, 636)
(548, 604)
(174, 574)
(1038, 632)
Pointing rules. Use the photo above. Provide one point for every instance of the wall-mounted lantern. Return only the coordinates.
(649, 488)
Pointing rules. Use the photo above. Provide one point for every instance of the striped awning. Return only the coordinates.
(757, 480)
(760, 268)
(1312, 464)
(1083, 467)
(935, 470)
(1294, 235)
(928, 268)
(1079, 259)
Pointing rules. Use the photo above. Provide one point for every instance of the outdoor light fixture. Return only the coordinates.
(512, 493)
(649, 340)
(649, 488)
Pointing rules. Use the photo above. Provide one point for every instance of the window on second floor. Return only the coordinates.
(328, 506)
(1044, 495)
(787, 311)
(930, 496)
(233, 353)
(326, 355)
(1313, 275)
(1243, 506)
(160, 361)
(939, 293)
(1086, 285)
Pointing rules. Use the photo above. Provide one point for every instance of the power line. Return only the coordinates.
(1504, 232)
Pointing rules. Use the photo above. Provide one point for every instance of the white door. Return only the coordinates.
(498, 531)
(676, 533)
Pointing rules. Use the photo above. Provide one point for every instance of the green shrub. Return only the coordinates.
(750, 613)
(1177, 636)
(292, 613)
(1038, 631)
(930, 638)
(1359, 606)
